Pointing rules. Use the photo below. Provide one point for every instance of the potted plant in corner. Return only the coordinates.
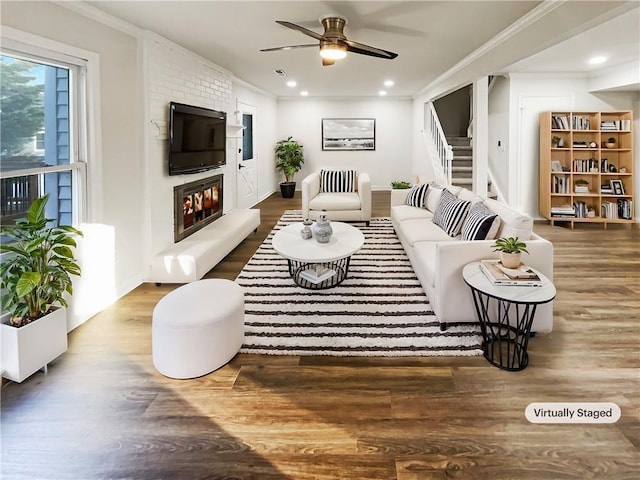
(35, 275)
(510, 251)
(289, 160)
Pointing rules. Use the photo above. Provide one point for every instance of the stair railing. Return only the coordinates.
(435, 135)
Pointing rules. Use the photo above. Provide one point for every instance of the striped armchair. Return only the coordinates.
(344, 194)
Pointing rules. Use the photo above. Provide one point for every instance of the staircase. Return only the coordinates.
(461, 166)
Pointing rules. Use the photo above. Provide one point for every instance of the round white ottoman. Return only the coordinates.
(197, 328)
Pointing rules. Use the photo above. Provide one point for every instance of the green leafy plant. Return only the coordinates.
(400, 184)
(509, 245)
(39, 263)
(289, 157)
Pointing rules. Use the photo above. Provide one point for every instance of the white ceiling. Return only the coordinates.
(430, 37)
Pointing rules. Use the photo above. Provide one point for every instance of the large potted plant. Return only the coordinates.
(289, 160)
(35, 276)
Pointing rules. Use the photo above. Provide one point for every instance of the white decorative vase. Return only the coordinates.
(322, 230)
(27, 349)
(510, 260)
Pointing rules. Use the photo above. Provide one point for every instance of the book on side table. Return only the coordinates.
(498, 274)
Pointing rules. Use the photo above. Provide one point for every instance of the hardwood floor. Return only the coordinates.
(103, 412)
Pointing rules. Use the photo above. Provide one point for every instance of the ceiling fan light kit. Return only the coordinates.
(333, 43)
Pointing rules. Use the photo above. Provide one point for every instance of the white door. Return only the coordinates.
(247, 175)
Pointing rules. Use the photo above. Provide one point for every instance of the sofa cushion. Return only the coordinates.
(422, 230)
(512, 222)
(451, 213)
(400, 213)
(425, 256)
(417, 195)
(335, 201)
(469, 196)
(337, 181)
(481, 224)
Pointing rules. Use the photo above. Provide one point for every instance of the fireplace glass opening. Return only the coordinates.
(196, 205)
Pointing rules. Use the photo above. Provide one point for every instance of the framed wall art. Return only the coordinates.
(348, 134)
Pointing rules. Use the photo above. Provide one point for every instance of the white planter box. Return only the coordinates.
(27, 349)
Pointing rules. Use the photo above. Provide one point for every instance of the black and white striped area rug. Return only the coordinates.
(380, 309)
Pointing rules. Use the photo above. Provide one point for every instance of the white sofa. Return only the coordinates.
(438, 259)
(340, 206)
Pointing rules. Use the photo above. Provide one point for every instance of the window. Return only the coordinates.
(40, 150)
(247, 136)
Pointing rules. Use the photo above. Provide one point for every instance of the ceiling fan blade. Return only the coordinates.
(363, 49)
(326, 62)
(289, 47)
(306, 31)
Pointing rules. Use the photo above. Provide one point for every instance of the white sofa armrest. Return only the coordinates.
(399, 196)
(310, 189)
(364, 192)
(451, 257)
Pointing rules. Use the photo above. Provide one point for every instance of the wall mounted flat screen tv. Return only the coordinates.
(197, 139)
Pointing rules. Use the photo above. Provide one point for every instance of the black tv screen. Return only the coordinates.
(197, 139)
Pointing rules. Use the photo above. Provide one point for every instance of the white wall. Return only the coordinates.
(573, 90)
(174, 74)
(302, 119)
(112, 251)
(266, 128)
(499, 132)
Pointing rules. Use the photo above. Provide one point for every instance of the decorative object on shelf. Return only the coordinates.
(322, 230)
(306, 229)
(35, 277)
(289, 160)
(593, 145)
(510, 249)
(591, 213)
(400, 185)
(557, 142)
(616, 186)
(610, 143)
(612, 168)
(623, 169)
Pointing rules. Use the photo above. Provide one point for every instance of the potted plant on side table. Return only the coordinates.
(510, 251)
(289, 160)
(35, 276)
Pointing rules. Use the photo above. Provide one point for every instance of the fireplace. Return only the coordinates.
(196, 205)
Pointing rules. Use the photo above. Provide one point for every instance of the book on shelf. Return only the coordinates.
(563, 211)
(609, 209)
(624, 208)
(498, 274)
(317, 273)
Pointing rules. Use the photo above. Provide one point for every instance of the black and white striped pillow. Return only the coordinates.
(481, 224)
(417, 195)
(337, 181)
(451, 213)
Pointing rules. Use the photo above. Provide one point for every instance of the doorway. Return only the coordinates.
(247, 175)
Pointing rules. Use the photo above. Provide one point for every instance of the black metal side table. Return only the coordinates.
(506, 314)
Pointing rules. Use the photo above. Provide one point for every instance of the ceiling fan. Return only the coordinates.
(334, 45)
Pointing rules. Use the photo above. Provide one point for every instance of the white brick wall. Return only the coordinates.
(173, 74)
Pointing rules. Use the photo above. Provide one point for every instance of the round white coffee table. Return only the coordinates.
(307, 258)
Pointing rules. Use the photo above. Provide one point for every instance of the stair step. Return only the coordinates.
(465, 158)
(455, 169)
(462, 141)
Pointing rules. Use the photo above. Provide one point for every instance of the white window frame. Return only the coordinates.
(86, 144)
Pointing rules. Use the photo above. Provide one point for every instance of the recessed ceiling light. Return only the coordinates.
(382, 93)
(389, 83)
(304, 93)
(597, 60)
(291, 83)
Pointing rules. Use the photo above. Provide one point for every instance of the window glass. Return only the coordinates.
(36, 133)
(247, 136)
